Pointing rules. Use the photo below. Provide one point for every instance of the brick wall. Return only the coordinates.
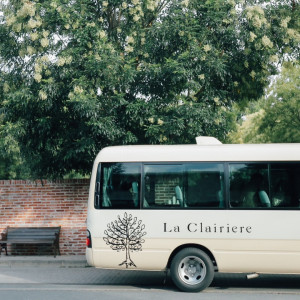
(165, 189)
(60, 203)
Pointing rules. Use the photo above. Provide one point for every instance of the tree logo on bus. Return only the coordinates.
(125, 234)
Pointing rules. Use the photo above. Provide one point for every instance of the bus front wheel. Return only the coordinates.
(192, 270)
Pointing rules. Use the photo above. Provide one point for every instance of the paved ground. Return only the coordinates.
(72, 270)
(43, 261)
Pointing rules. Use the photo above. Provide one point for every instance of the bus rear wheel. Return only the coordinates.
(192, 270)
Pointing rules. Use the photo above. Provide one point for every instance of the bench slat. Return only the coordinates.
(31, 238)
(32, 231)
(40, 234)
(29, 241)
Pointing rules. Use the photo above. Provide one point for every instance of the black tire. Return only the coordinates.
(192, 270)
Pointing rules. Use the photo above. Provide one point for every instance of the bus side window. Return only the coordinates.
(204, 185)
(120, 183)
(285, 189)
(194, 185)
(249, 185)
(163, 185)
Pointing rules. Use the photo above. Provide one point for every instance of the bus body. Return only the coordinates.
(196, 209)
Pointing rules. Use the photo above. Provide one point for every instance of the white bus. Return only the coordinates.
(196, 210)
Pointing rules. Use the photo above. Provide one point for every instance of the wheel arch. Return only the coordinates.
(191, 245)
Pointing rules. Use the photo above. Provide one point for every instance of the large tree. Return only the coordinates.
(275, 118)
(81, 75)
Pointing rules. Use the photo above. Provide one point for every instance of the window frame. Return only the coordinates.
(98, 194)
(226, 187)
(270, 192)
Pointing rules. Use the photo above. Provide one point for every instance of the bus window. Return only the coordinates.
(249, 185)
(205, 185)
(120, 184)
(163, 185)
(186, 185)
(285, 188)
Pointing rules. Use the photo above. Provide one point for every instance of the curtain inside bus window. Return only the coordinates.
(249, 185)
(106, 178)
(97, 188)
(205, 185)
(285, 185)
(120, 185)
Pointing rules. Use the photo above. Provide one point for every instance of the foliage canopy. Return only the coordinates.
(83, 74)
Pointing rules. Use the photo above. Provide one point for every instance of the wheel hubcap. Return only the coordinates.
(192, 270)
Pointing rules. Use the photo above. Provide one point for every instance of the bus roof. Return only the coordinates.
(185, 153)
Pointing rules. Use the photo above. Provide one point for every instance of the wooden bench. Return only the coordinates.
(33, 235)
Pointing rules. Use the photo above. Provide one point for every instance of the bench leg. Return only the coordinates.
(56, 249)
(3, 246)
